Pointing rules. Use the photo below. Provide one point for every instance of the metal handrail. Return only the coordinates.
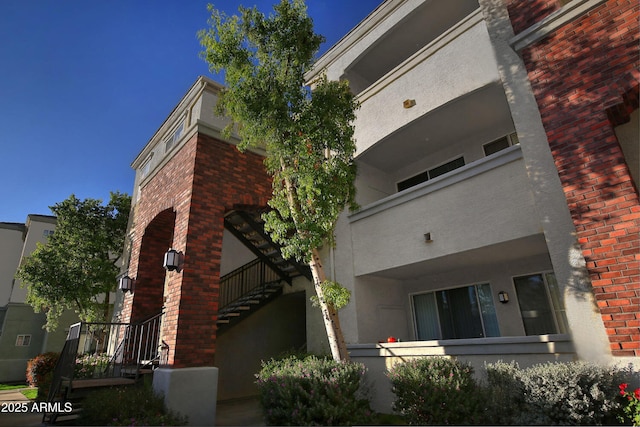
(139, 346)
(244, 280)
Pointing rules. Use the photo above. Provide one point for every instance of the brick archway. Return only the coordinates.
(182, 205)
(148, 298)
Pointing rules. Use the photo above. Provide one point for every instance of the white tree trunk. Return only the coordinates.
(329, 313)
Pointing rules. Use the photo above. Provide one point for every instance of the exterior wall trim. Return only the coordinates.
(501, 158)
(538, 344)
(367, 25)
(551, 23)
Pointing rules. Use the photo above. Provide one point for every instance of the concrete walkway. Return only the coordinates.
(12, 401)
(238, 412)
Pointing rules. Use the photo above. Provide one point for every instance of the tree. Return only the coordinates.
(76, 268)
(307, 135)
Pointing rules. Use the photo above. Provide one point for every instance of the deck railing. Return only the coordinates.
(107, 350)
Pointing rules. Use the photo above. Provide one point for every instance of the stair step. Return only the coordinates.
(243, 228)
(270, 251)
(229, 314)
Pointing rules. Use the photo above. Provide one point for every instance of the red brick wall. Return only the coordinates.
(585, 79)
(199, 184)
(525, 13)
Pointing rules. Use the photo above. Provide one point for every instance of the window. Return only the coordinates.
(47, 233)
(146, 166)
(174, 137)
(431, 173)
(466, 312)
(541, 305)
(500, 144)
(23, 341)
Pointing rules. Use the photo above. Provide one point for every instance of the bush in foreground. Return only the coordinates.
(127, 406)
(313, 391)
(40, 372)
(40, 366)
(436, 390)
(575, 393)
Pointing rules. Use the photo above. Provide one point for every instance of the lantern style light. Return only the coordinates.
(173, 260)
(126, 284)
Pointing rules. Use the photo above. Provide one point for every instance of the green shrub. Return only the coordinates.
(504, 391)
(575, 393)
(127, 406)
(313, 391)
(436, 390)
(630, 406)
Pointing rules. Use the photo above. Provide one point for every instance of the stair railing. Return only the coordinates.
(244, 280)
(66, 363)
(105, 350)
(138, 347)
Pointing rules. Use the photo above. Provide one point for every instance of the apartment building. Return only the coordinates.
(475, 238)
(499, 210)
(22, 336)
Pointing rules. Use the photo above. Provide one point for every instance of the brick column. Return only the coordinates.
(183, 206)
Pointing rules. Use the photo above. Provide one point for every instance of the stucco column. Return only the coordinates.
(587, 330)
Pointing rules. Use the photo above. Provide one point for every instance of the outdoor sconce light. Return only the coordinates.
(503, 297)
(408, 103)
(173, 260)
(126, 284)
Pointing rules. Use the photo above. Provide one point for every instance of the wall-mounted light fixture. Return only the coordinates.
(173, 260)
(503, 297)
(427, 238)
(126, 284)
(408, 103)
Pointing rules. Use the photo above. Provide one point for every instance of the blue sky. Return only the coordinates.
(84, 84)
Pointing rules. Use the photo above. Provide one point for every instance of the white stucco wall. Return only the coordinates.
(629, 137)
(234, 254)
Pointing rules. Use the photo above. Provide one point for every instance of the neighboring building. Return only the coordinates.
(499, 214)
(22, 335)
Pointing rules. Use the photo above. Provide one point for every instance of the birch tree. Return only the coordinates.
(307, 134)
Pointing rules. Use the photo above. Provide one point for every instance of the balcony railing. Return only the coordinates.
(483, 203)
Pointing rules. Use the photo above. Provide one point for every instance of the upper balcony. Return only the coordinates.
(460, 64)
(482, 204)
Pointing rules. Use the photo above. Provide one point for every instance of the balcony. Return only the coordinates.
(456, 65)
(486, 202)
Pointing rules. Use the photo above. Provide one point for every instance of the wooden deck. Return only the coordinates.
(100, 382)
